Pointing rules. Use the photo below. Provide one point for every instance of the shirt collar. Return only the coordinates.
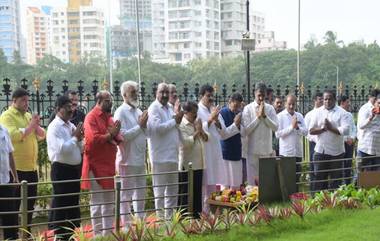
(62, 122)
(98, 111)
(163, 106)
(15, 111)
(128, 106)
(333, 109)
(186, 122)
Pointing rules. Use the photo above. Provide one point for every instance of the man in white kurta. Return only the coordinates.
(259, 120)
(163, 144)
(215, 172)
(130, 158)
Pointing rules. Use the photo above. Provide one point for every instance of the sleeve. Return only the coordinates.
(271, 120)
(91, 130)
(9, 142)
(353, 131)
(186, 137)
(227, 132)
(58, 144)
(14, 132)
(248, 124)
(128, 134)
(283, 130)
(155, 125)
(345, 125)
(363, 119)
(302, 131)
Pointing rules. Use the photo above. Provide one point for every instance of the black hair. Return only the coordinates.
(343, 98)
(261, 87)
(61, 101)
(19, 92)
(206, 88)
(374, 93)
(236, 97)
(70, 92)
(188, 106)
(316, 95)
(330, 92)
(269, 90)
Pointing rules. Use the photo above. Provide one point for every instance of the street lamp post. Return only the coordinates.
(248, 59)
(138, 42)
(299, 43)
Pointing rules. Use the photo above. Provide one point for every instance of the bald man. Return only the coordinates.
(291, 129)
(102, 137)
(163, 144)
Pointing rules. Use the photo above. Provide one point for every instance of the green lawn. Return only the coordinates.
(329, 225)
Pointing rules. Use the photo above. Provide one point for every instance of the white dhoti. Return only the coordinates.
(234, 173)
(165, 195)
(130, 196)
(102, 213)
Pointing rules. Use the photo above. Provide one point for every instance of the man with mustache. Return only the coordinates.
(64, 149)
(163, 143)
(101, 139)
(130, 158)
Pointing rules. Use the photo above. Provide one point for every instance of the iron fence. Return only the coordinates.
(43, 95)
(41, 224)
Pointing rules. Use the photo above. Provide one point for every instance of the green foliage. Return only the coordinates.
(358, 64)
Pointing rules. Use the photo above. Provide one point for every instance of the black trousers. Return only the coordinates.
(298, 169)
(347, 173)
(322, 172)
(197, 192)
(8, 206)
(311, 166)
(30, 177)
(61, 172)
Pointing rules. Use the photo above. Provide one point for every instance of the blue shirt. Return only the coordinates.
(231, 147)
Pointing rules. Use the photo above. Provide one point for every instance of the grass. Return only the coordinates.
(347, 225)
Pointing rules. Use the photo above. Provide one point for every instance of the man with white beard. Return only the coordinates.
(130, 158)
(163, 143)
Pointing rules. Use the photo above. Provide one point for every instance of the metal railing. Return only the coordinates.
(308, 177)
(84, 205)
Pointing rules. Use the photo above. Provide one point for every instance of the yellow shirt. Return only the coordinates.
(25, 149)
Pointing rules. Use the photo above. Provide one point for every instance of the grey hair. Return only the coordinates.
(172, 86)
(162, 85)
(124, 87)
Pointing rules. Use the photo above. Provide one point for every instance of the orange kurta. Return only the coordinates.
(99, 153)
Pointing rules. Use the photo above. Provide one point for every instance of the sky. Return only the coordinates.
(351, 20)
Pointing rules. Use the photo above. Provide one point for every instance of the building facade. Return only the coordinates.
(10, 33)
(78, 31)
(38, 33)
(267, 42)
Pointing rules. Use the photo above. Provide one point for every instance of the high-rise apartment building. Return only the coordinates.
(78, 31)
(38, 33)
(267, 42)
(10, 35)
(185, 30)
(234, 24)
(59, 34)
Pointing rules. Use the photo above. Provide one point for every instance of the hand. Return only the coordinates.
(261, 111)
(328, 125)
(237, 120)
(178, 117)
(78, 133)
(198, 125)
(215, 113)
(295, 122)
(114, 130)
(349, 141)
(143, 119)
(177, 106)
(35, 121)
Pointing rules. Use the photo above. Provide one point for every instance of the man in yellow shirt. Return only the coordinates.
(25, 131)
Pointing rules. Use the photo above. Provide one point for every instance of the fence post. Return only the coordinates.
(117, 203)
(190, 188)
(24, 208)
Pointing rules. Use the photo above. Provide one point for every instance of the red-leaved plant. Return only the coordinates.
(300, 208)
(211, 220)
(264, 214)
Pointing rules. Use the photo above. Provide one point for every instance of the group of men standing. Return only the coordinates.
(223, 145)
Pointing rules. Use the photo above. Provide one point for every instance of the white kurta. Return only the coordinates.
(216, 169)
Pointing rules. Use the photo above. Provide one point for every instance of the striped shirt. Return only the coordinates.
(369, 138)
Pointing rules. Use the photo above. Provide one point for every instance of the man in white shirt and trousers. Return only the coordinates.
(349, 140)
(330, 124)
(64, 148)
(259, 120)
(130, 158)
(291, 129)
(369, 133)
(318, 102)
(163, 144)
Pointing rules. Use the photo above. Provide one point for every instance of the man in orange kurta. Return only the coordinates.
(101, 139)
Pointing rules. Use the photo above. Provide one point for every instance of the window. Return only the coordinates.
(186, 45)
(178, 57)
(228, 42)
